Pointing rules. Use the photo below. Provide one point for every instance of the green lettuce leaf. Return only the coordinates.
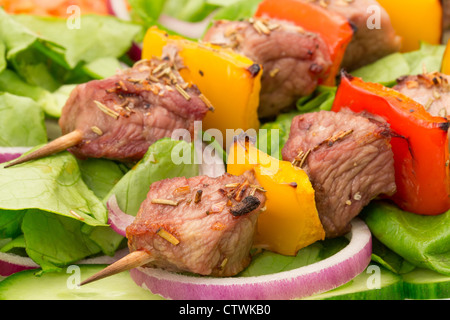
(237, 10)
(385, 71)
(21, 122)
(36, 202)
(97, 37)
(101, 175)
(3, 63)
(429, 57)
(389, 259)
(12, 83)
(54, 241)
(46, 53)
(10, 223)
(50, 102)
(53, 102)
(146, 12)
(423, 241)
(52, 184)
(273, 135)
(156, 165)
(44, 59)
(189, 10)
(102, 67)
(16, 245)
(388, 69)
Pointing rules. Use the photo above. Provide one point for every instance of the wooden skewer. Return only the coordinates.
(60, 144)
(132, 260)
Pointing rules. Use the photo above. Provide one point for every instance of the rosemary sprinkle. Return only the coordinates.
(106, 110)
(182, 92)
(165, 202)
(167, 236)
(97, 130)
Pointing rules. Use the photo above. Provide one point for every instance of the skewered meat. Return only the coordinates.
(293, 60)
(432, 90)
(348, 159)
(120, 117)
(201, 225)
(374, 35)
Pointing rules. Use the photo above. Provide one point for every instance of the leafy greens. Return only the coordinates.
(388, 69)
(54, 207)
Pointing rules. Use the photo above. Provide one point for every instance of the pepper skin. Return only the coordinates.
(334, 29)
(415, 21)
(445, 67)
(231, 82)
(290, 221)
(420, 143)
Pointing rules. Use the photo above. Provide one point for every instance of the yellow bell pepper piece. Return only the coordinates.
(290, 221)
(415, 21)
(230, 81)
(445, 68)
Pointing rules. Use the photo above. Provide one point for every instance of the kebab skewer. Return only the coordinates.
(118, 118)
(200, 225)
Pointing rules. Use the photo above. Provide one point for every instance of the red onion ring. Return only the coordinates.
(119, 9)
(12, 263)
(299, 283)
(192, 30)
(117, 219)
(11, 153)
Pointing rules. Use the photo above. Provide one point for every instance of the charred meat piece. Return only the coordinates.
(348, 159)
(293, 60)
(201, 225)
(432, 90)
(121, 116)
(374, 36)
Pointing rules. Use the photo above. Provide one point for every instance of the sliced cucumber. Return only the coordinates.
(375, 283)
(26, 285)
(426, 284)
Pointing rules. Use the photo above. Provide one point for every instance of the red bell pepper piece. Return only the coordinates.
(334, 29)
(419, 143)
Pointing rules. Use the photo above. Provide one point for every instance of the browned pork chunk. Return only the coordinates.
(348, 159)
(201, 225)
(121, 116)
(374, 35)
(432, 90)
(293, 60)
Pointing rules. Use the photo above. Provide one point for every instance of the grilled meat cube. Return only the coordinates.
(121, 116)
(368, 44)
(348, 159)
(432, 90)
(201, 225)
(294, 61)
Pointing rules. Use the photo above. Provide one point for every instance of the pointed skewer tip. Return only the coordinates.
(60, 144)
(132, 260)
